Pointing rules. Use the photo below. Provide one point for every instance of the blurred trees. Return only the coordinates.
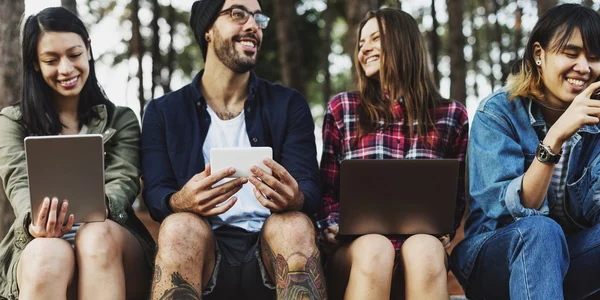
(10, 80)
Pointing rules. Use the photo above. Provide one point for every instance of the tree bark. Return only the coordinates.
(137, 50)
(166, 80)
(156, 56)
(10, 80)
(328, 18)
(288, 44)
(544, 5)
(70, 5)
(435, 44)
(458, 71)
(355, 11)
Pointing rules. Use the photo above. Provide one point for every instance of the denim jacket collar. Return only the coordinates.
(536, 117)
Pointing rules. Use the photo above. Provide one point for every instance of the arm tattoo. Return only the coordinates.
(181, 290)
(157, 274)
(296, 285)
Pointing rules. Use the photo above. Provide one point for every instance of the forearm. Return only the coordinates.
(537, 178)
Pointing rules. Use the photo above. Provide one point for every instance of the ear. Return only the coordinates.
(538, 52)
(36, 66)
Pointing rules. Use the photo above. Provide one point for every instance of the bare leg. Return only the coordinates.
(424, 262)
(362, 269)
(185, 246)
(111, 263)
(45, 269)
(291, 256)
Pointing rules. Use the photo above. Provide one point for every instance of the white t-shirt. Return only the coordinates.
(247, 213)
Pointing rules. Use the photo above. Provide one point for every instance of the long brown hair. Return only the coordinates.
(404, 72)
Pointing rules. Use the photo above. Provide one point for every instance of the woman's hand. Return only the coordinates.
(445, 241)
(582, 111)
(48, 224)
(328, 242)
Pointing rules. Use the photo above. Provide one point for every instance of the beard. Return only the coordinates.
(230, 57)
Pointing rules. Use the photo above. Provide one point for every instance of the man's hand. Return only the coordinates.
(47, 224)
(280, 188)
(328, 242)
(445, 241)
(199, 197)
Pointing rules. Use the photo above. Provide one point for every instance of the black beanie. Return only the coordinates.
(204, 14)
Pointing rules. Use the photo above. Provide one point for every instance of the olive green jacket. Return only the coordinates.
(121, 137)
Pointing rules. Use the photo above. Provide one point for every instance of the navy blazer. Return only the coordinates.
(175, 125)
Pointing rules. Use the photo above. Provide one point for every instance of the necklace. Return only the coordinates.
(548, 107)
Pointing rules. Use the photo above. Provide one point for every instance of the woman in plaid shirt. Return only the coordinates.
(397, 114)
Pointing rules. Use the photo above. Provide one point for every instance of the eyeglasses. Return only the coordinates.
(240, 16)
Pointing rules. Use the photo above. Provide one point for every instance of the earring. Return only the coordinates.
(207, 38)
(538, 62)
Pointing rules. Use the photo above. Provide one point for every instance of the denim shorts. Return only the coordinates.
(239, 272)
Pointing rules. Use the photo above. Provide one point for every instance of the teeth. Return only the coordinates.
(67, 82)
(576, 82)
(247, 44)
(372, 58)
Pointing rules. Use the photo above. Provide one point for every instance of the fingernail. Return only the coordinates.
(231, 170)
(267, 160)
(254, 169)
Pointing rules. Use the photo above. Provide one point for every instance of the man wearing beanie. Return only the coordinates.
(246, 238)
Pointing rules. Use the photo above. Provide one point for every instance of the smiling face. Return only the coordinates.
(63, 60)
(369, 49)
(236, 45)
(567, 72)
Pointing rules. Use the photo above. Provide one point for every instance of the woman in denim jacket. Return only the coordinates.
(61, 95)
(533, 229)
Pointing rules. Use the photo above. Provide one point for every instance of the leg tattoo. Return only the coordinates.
(181, 290)
(297, 285)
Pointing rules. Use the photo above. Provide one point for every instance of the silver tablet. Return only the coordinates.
(68, 167)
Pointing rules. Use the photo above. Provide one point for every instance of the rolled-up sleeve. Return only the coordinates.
(496, 166)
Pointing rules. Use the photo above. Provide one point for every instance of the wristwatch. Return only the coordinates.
(545, 155)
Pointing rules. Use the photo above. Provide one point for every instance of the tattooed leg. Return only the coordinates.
(181, 290)
(306, 283)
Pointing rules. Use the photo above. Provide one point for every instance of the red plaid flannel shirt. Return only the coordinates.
(340, 127)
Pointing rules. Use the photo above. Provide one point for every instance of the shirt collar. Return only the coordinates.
(201, 101)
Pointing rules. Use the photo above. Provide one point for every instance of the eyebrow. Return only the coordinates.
(372, 34)
(244, 8)
(54, 53)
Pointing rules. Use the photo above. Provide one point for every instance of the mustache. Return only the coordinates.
(237, 38)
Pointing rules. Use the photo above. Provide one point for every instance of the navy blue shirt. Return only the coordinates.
(175, 125)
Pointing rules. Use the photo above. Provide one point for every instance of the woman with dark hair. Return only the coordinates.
(533, 231)
(61, 95)
(397, 114)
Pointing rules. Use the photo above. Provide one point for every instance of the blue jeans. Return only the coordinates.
(532, 259)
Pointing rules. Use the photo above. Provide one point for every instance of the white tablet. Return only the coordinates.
(67, 167)
(240, 158)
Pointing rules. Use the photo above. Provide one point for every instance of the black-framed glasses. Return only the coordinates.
(240, 16)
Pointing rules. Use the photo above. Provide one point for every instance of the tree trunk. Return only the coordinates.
(328, 18)
(166, 80)
(435, 44)
(476, 55)
(544, 5)
(10, 80)
(137, 50)
(70, 5)
(458, 71)
(355, 11)
(156, 56)
(288, 44)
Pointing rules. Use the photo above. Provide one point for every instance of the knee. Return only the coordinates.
(98, 242)
(424, 258)
(542, 231)
(183, 233)
(47, 260)
(293, 228)
(373, 254)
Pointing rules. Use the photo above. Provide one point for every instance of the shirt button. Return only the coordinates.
(121, 216)
(106, 132)
(248, 109)
(255, 140)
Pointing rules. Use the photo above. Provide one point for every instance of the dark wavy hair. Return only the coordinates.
(404, 68)
(38, 112)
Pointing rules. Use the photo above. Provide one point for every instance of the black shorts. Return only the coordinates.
(239, 271)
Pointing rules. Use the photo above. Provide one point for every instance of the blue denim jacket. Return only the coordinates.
(503, 142)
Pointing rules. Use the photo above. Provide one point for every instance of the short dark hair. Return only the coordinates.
(38, 113)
